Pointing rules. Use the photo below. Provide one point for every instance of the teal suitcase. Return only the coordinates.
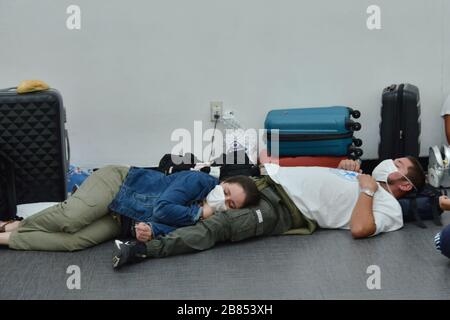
(322, 131)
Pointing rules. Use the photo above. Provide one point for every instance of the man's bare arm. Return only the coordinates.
(447, 127)
(362, 223)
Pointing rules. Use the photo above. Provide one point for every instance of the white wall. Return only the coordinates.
(137, 70)
(446, 43)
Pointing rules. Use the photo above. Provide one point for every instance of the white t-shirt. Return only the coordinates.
(328, 196)
(446, 107)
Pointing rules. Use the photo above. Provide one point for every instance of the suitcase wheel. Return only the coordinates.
(357, 142)
(355, 114)
(356, 126)
(357, 152)
(352, 125)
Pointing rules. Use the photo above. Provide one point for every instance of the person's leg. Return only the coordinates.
(88, 204)
(442, 241)
(104, 229)
(231, 225)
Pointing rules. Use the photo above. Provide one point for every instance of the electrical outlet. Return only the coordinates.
(216, 110)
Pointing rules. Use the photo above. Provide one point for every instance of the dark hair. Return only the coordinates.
(252, 195)
(416, 173)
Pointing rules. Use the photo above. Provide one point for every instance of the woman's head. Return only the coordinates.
(240, 192)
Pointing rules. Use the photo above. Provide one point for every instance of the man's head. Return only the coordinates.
(240, 192)
(401, 175)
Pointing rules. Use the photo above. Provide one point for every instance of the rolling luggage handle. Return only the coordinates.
(8, 89)
(67, 148)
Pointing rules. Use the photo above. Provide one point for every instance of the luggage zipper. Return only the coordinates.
(309, 137)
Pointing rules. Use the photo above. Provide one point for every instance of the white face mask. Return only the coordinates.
(216, 199)
(383, 170)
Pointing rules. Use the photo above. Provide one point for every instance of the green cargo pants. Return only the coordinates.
(82, 221)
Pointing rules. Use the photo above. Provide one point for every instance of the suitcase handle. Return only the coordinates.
(67, 147)
(8, 89)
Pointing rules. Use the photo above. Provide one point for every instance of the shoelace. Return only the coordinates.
(437, 241)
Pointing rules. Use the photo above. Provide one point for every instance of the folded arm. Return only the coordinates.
(173, 206)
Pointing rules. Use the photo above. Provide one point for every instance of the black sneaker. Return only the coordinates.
(128, 252)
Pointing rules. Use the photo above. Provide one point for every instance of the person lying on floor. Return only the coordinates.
(113, 199)
(312, 197)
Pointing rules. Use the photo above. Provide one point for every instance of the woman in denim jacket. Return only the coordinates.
(115, 198)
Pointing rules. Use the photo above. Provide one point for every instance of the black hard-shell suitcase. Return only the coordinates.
(400, 122)
(34, 137)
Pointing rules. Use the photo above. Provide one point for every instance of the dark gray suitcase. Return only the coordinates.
(34, 137)
(400, 122)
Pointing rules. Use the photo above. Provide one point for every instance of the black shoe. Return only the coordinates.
(128, 252)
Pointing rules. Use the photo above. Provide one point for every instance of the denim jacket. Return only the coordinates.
(165, 202)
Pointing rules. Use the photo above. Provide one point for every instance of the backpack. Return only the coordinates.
(422, 205)
(8, 208)
(171, 163)
(236, 163)
(229, 163)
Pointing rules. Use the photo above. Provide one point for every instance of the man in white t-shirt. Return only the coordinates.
(344, 198)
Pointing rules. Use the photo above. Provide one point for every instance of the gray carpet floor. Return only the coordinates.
(326, 265)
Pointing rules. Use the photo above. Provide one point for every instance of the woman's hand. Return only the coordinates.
(143, 232)
(208, 211)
